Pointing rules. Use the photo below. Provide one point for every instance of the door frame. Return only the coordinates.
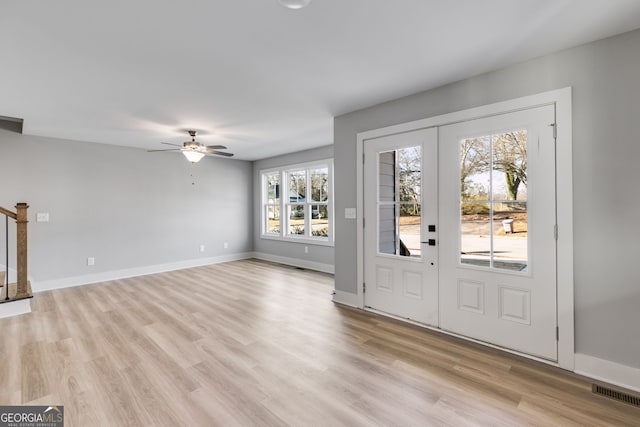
(561, 99)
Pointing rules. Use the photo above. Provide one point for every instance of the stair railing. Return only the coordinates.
(20, 217)
(6, 259)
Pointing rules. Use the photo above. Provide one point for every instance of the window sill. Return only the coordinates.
(305, 240)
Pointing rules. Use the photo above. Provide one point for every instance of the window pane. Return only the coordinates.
(475, 234)
(319, 184)
(510, 236)
(273, 188)
(296, 219)
(474, 168)
(319, 221)
(297, 186)
(273, 219)
(509, 171)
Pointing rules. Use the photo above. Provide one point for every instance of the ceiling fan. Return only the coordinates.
(194, 151)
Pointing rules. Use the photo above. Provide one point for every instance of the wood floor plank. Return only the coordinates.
(256, 343)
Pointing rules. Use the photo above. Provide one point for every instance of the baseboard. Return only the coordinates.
(295, 262)
(87, 279)
(13, 274)
(607, 371)
(346, 298)
(15, 308)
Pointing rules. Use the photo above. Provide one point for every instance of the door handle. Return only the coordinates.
(430, 242)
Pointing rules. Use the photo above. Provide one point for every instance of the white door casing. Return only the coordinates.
(561, 100)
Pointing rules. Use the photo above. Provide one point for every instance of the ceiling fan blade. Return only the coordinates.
(218, 153)
(168, 143)
(216, 147)
(170, 149)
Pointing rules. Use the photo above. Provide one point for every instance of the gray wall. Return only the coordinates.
(317, 253)
(123, 206)
(605, 77)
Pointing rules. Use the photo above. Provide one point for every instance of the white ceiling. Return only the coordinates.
(252, 75)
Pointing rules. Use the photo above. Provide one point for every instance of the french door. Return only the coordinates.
(401, 273)
(497, 209)
(469, 247)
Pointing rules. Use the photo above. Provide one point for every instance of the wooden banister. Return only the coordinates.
(8, 213)
(21, 255)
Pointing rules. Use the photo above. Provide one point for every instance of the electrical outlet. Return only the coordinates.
(306, 249)
(91, 261)
(201, 248)
(226, 245)
(42, 217)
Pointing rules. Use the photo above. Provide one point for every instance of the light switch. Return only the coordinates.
(350, 213)
(42, 217)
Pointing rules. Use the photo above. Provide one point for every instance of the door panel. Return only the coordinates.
(400, 202)
(498, 250)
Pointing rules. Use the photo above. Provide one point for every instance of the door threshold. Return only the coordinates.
(464, 337)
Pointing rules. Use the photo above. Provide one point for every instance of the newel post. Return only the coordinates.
(21, 253)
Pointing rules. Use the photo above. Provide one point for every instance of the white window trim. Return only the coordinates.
(284, 203)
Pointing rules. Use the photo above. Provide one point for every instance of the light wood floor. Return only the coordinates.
(253, 343)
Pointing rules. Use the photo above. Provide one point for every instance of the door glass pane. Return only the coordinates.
(410, 174)
(510, 236)
(475, 234)
(509, 194)
(399, 201)
(387, 229)
(410, 229)
(475, 155)
(387, 176)
(410, 194)
(493, 199)
(509, 165)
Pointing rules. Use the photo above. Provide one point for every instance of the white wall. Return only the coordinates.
(319, 257)
(605, 79)
(123, 206)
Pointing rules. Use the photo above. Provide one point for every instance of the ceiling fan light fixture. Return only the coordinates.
(193, 156)
(294, 4)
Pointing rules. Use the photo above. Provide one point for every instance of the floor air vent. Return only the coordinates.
(616, 395)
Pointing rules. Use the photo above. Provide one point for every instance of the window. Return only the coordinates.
(304, 210)
(272, 205)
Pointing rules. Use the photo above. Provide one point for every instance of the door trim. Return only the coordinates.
(561, 98)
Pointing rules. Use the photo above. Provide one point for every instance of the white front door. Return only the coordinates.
(400, 176)
(497, 244)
